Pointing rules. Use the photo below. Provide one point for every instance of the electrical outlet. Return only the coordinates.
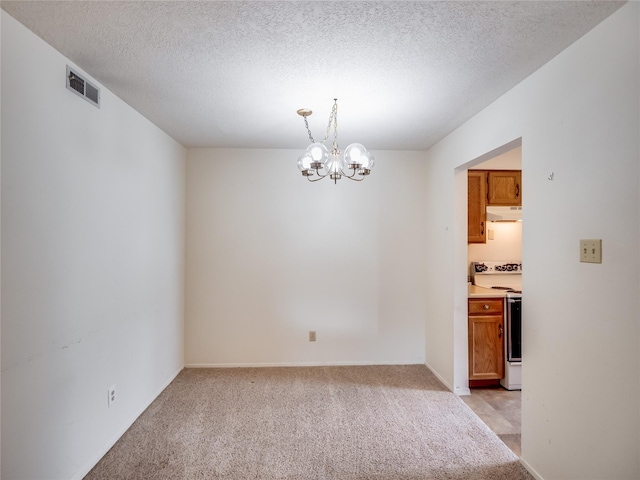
(591, 251)
(113, 395)
(312, 336)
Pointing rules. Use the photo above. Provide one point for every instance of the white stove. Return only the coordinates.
(506, 276)
(499, 275)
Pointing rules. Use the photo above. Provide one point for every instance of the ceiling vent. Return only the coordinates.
(81, 87)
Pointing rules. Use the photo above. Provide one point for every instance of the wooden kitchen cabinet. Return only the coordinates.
(486, 341)
(476, 206)
(504, 187)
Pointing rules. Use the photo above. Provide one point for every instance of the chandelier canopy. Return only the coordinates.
(317, 161)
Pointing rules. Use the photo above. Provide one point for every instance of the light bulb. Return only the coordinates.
(318, 152)
(368, 161)
(355, 154)
(304, 162)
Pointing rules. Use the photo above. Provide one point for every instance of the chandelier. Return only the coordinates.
(318, 161)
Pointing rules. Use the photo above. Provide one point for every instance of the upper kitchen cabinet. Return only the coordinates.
(489, 188)
(504, 187)
(476, 206)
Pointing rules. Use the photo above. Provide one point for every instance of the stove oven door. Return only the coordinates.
(514, 329)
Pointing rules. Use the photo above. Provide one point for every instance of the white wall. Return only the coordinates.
(505, 245)
(510, 160)
(271, 256)
(92, 264)
(578, 117)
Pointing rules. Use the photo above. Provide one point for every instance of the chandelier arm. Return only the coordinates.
(316, 179)
(361, 176)
(320, 176)
(353, 174)
(356, 179)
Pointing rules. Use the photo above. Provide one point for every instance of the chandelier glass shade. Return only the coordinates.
(319, 162)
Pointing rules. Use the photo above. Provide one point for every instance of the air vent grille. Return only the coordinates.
(82, 87)
(92, 93)
(76, 83)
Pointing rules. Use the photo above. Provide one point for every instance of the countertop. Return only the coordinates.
(481, 292)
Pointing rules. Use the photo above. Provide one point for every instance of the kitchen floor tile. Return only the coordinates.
(499, 424)
(513, 442)
(500, 410)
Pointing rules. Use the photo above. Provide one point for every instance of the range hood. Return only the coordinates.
(504, 214)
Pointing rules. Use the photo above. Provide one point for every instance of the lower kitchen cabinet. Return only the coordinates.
(486, 341)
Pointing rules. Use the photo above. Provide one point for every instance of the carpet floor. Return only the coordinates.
(308, 423)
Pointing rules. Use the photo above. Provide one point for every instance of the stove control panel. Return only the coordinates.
(488, 268)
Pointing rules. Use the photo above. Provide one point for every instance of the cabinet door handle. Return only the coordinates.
(481, 228)
(486, 307)
(517, 190)
(500, 331)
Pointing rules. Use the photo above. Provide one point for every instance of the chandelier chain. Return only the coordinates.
(333, 119)
(334, 113)
(306, 124)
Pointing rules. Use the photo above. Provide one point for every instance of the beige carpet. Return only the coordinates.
(362, 422)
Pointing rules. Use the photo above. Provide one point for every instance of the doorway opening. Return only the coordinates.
(498, 406)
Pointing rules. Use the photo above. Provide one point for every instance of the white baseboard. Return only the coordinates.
(297, 364)
(462, 391)
(530, 469)
(94, 461)
(446, 384)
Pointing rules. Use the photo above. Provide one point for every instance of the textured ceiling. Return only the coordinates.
(233, 74)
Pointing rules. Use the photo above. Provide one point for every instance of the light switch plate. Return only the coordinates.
(591, 251)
